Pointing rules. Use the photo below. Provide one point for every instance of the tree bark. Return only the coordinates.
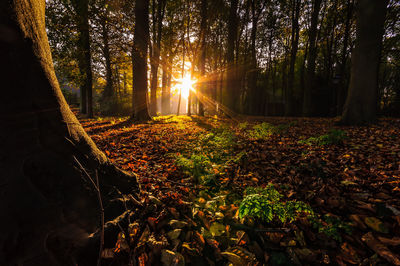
(108, 90)
(202, 61)
(165, 94)
(45, 201)
(255, 98)
(139, 61)
(289, 105)
(342, 90)
(361, 103)
(155, 62)
(231, 69)
(85, 59)
(312, 55)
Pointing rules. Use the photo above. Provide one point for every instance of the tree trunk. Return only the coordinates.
(183, 73)
(361, 103)
(202, 61)
(157, 33)
(231, 69)
(139, 61)
(84, 61)
(46, 200)
(255, 97)
(342, 89)
(165, 94)
(312, 55)
(289, 106)
(108, 90)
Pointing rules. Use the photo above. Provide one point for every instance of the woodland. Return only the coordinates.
(200, 132)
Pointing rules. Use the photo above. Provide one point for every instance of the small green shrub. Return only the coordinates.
(331, 226)
(265, 130)
(265, 204)
(198, 166)
(334, 137)
(243, 126)
(262, 131)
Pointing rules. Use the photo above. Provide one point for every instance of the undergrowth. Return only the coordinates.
(334, 137)
(266, 205)
(210, 155)
(265, 130)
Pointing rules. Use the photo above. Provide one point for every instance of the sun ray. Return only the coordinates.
(185, 85)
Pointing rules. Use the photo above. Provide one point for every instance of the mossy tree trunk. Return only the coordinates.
(45, 199)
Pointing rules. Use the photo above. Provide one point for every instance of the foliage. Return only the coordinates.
(265, 204)
(334, 137)
(265, 130)
(212, 152)
(262, 131)
(299, 179)
(331, 226)
(198, 165)
(243, 125)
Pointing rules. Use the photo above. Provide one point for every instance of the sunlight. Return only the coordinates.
(186, 84)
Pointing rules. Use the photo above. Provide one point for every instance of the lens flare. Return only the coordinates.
(186, 84)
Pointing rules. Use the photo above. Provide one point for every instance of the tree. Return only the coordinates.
(312, 54)
(84, 56)
(202, 60)
(47, 200)
(139, 61)
(158, 18)
(232, 37)
(289, 106)
(108, 92)
(361, 102)
(342, 90)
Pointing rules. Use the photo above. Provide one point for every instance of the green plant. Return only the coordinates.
(243, 126)
(265, 130)
(334, 137)
(262, 131)
(198, 166)
(330, 225)
(265, 204)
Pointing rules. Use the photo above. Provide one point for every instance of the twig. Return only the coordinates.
(97, 188)
(270, 230)
(102, 219)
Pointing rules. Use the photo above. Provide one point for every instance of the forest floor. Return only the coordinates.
(274, 191)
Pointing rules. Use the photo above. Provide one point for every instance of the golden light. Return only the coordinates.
(186, 84)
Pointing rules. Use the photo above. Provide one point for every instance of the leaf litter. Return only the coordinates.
(195, 172)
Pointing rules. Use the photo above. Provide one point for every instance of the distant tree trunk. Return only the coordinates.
(255, 96)
(139, 61)
(48, 205)
(342, 90)
(202, 61)
(233, 94)
(108, 90)
(289, 106)
(183, 72)
(165, 93)
(85, 62)
(312, 55)
(361, 103)
(169, 85)
(155, 62)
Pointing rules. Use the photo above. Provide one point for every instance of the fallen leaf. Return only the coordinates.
(379, 248)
